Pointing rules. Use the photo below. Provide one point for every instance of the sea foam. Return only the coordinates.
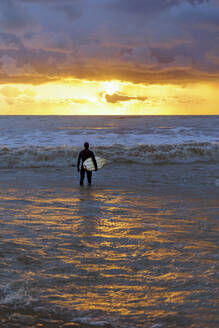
(65, 156)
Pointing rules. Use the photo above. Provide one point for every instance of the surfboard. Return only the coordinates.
(89, 165)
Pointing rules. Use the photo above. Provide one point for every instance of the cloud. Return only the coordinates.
(14, 16)
(100, 70)
(119, 97)
(76, 101)
(197, 2)
(150, 7)
(24, 69)
(139, 41)
(164, 56)
(9, 66)
(10, 91)
(9, 42)
(53, 42)
(72, 9)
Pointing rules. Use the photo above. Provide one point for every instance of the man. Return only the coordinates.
(83, 155)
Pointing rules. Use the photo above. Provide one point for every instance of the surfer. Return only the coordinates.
(83, 155)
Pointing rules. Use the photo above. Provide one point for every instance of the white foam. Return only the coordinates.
(73, 131)
(55, 141)
(64, 156)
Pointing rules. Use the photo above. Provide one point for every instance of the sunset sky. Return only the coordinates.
(109, 57)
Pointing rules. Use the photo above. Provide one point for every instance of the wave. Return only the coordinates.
(65, 156)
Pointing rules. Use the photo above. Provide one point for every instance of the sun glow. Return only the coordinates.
(110, 87)
(83, 97)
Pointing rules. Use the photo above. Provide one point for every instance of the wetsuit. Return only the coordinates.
(83, 155)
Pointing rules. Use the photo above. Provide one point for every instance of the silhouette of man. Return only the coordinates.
(83, 155)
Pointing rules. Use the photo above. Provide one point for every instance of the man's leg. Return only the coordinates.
(82, 176)
(89, 175)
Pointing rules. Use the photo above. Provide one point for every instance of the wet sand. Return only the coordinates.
(137, 249)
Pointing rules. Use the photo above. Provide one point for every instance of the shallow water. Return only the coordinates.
(138, 248)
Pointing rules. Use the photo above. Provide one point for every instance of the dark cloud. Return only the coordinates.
(119, 97)
(13, 16)
(9, 41)
(52, 69)
(25, 79)
(111, 39)
(29, 65)
(71, 11)
(164, 56)
(197, 2)
(149, 7)
(142, 73)
(71, 8)
(51, 2)
(126, 51)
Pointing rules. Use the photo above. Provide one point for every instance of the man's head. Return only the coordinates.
(86, 145)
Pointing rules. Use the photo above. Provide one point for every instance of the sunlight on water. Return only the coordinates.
(124, 254)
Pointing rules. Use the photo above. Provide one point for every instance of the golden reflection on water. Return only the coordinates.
(109, 251)
(161, 254)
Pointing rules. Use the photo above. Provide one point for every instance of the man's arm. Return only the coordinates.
(94, 161)
(78, 164)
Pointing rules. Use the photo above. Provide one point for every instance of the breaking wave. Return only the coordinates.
(64, 156)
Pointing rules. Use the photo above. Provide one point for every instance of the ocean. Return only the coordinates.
(139, 248)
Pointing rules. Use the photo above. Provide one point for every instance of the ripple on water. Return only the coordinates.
(127, 258)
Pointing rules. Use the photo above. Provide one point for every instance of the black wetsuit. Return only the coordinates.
(83, 155)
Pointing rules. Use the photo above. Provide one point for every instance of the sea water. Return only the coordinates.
(137, 249)
(32, 141)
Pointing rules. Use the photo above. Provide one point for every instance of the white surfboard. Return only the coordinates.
(89, 165)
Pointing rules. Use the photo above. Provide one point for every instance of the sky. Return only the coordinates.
(113, 57)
